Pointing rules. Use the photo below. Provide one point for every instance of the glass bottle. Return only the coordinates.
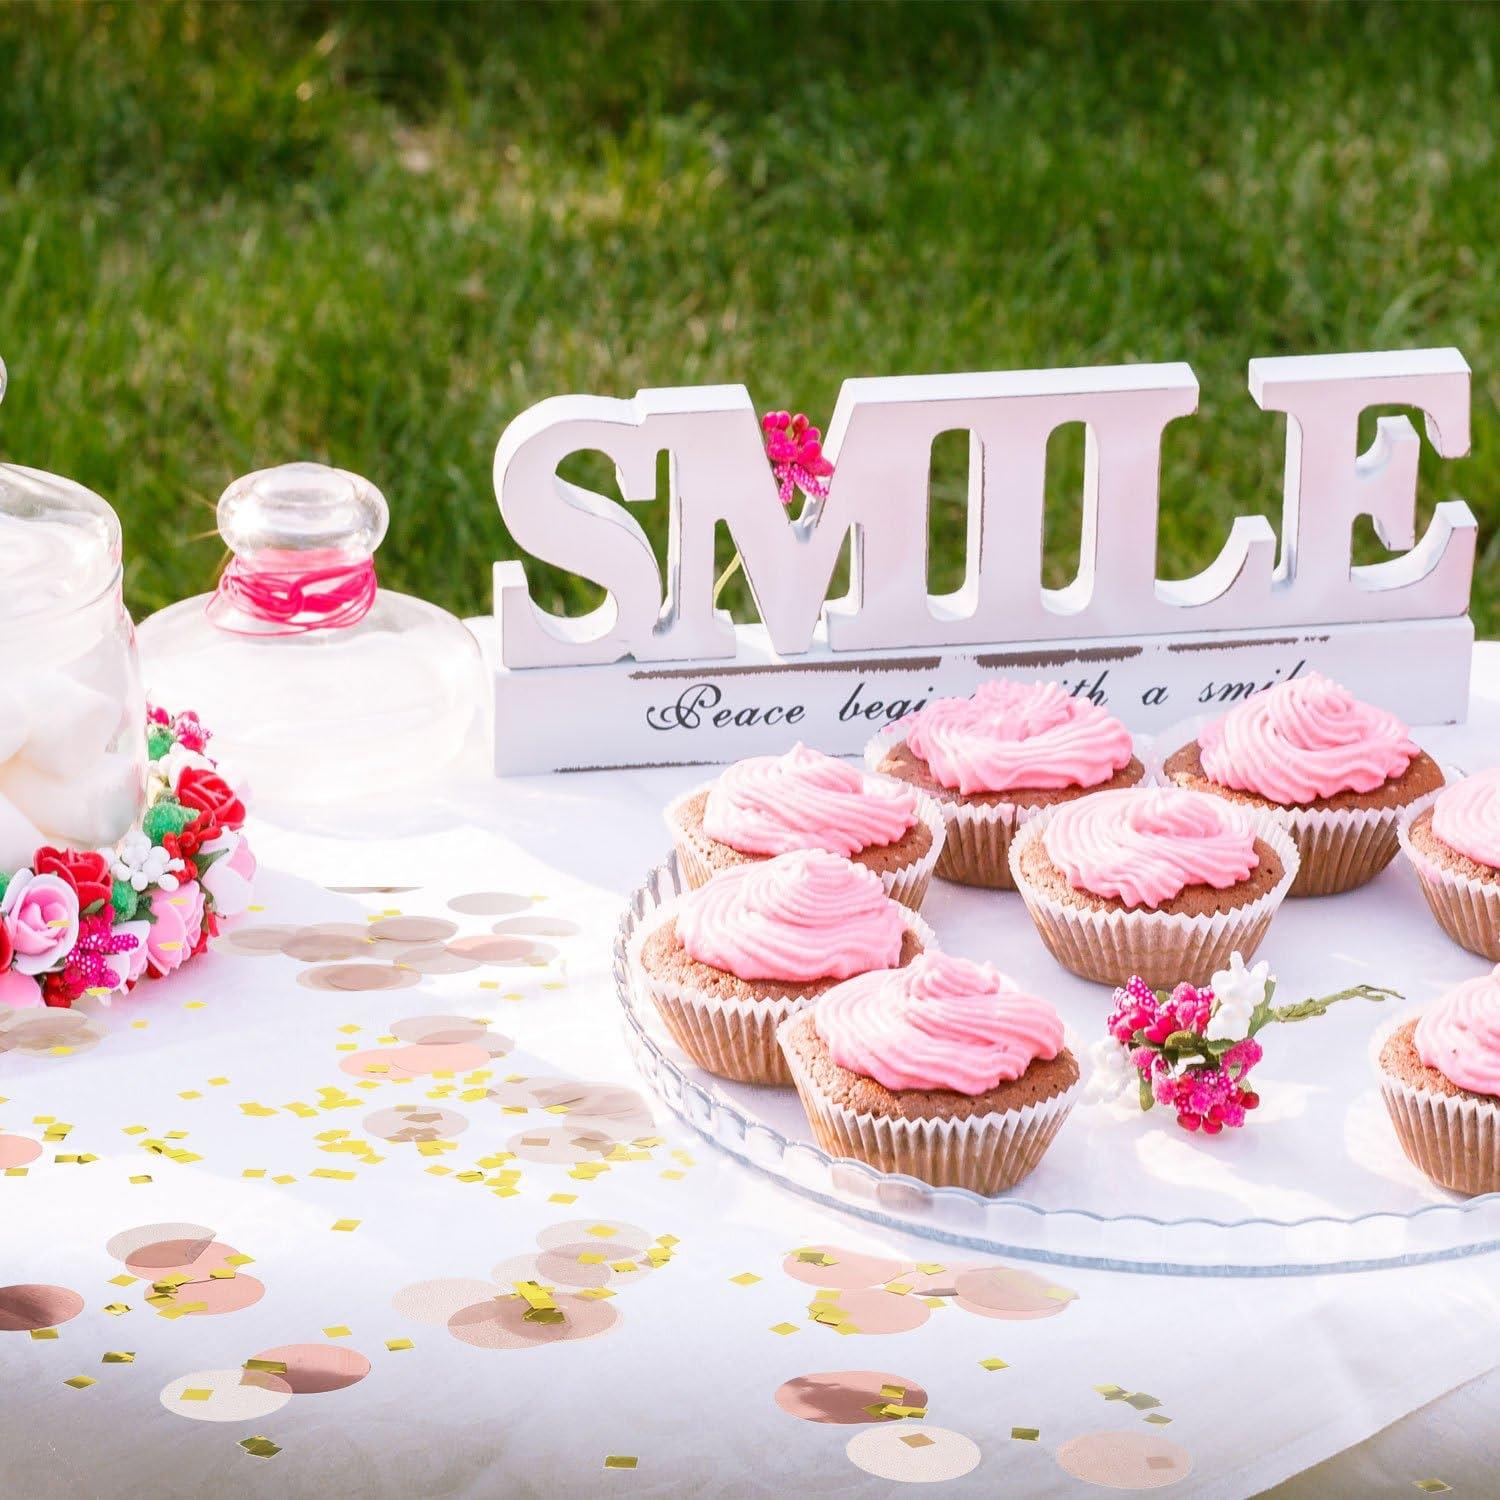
(315, 683)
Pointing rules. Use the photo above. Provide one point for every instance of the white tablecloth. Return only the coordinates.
(1261, 1381)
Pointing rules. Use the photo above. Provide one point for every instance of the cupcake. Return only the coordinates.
(1454, 846)
(944, 1070)
(1440, 1075)
(1153, 881)
(731, 960)
(1336, 773)
(776, 804)
(997, 758)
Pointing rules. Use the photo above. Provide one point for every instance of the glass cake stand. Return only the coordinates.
(1314, 1184)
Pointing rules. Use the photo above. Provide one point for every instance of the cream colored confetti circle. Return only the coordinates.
(913, 1453)
(436, 1301)
(123, 1245)
(612, 1236)
(236, 1395)
(1125, 1460)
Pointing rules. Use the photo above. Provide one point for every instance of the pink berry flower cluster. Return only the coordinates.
(1191, 1052)
(795, 449)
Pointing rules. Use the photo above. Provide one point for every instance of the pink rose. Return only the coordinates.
(40, 913)
(177, 921)
(229, 879)
(18, 991)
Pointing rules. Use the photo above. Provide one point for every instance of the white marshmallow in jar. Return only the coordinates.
(72, 708)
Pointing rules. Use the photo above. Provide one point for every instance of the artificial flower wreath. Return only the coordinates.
(81, 922)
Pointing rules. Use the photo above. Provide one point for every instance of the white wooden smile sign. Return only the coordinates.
(658, 675)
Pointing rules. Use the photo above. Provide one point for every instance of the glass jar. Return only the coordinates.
(316, 684)
(72, 709)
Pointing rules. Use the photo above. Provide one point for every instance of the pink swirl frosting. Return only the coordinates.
(772, 804)
(795, 918)
(1143, 846)
(1459, 1035)
(1466, 817)
(1018, 734)
(1305, 739)
(939, 1023)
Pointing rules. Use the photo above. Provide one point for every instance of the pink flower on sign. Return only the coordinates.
(177, 921)
(40, 913)
(19, 991)
(229, 879)
(795, 449)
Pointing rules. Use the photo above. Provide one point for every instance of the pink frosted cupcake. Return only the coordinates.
(996, 758)
(730, 961)
(776, 804)
(1454, 846)
(1336, 773)
(1152, 881)
(1440, 1076)
(944, 1070)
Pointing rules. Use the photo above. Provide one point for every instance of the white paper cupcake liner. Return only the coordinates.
(987, 1154)
(729, 1038)
(1341, 848)
(1162, 947)
(1468, 910)
(908, 884)
(977, 849)
(1455, 1142)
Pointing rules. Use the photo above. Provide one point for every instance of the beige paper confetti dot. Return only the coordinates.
(235, 1395)
(930, 1456)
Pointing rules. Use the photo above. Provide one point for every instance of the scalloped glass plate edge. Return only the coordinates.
(1013, 1227)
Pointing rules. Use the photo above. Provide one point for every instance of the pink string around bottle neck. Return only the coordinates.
(284, 592)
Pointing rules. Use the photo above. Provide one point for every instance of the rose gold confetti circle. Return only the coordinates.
(488, 903)
(537, 926)
(17, 1150)
(845, 1396)
(260, 937)
(413, 1061)
(1000, 1292)
(315, 945)
(502, 1323)
(438, 1300)
(314, 1368)
(620, 1110)
(504, 951)
(35, 1305)
(913, 1453)
(933, 1283)
(413, 929)
(445, 1031)
(42, 1030)
(604, 1234)
(416, 1123)
(230, 1295)
(563, 1264)
(233, 1395)
(1125, 1460)
(351, 978)
(123, 1245)
(181, 1257)
(874, 1310)
(850, 1270)
(559, 1144)
(435, 959)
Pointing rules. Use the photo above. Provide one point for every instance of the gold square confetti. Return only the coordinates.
(140, 1178)
(745, 1278)
(993, 1364)
(783, 1328)
(118, 1357)
(346, 1225)
(893, 1392)
(1141, 1401)
(563, 1198)
(917, 1440)
(621, 1461)
(269, 1366)
(81, 1382)
(44, 1333)
(930, 1267)
(259, 1447)
(1432, 1486)
(1156, 1419)
(1112, 1392)
(336, 1331)
(397, 1345)
(196, 1393)
(114, 1309)
(282, 1178)
(1026, 1434)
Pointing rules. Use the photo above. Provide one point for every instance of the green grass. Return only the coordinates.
(234, 236)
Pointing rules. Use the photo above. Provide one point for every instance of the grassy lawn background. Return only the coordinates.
(231, 236)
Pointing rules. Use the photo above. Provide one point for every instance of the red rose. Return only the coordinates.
(59, 991)
(213, 799)
(87, 873)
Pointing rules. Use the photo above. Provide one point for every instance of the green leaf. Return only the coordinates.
(1184, 1041)
(1147, 1097)
(1305, 1010)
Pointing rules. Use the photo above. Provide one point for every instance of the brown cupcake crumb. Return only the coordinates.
(906, 765)
(1399, 1058)
(882, 859)
(1426, 841)
(664, 957)
(1192, 900)
(1043, 1079)
(1185, 767)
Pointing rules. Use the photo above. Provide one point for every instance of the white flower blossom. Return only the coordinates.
(1237, 991)
(1111, 1072)
(139, 862)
